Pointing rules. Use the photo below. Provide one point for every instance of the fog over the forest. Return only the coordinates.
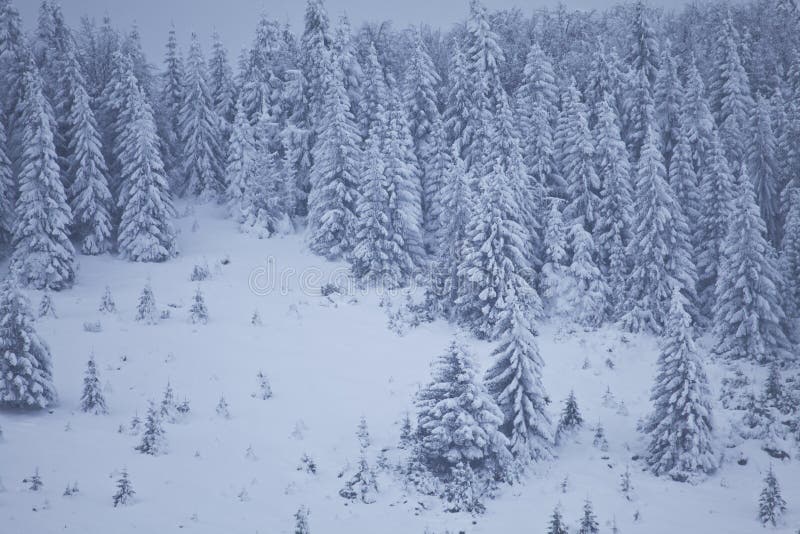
(235, 20)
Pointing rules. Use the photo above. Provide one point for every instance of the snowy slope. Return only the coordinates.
(329, 361)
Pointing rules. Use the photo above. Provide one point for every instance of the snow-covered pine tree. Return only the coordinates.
(575, 155)
(153, 440)
(199, 130)
(615, 211)
(92, 399)
(764, 167)
(668, 95)
(771, 504)
(730, 91)
(145, 230)
(681, 426)
(26, 370)
(494, 269)
(588, 523)
(146, 309)
(458, 419)
(125, 491)
(88, 192)
(515, 381)
(536, 102)
(43, 256)
(748, 312)
(334, 174)
(587, 291)
(570, 419)
(557, 525)
(660, 248)
(240, 161)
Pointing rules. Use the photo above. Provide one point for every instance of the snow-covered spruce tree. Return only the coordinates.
(570, 419)
(494, 269)
(668, 95)
(240, 161)
(639, 108)
(790, 253)
(26, 370)
(345, 52)
(438, 168)
(7, 186)
(301, 516)
(771, 505)
(153, 440)
(420, 98)
(458, 104)
(220, 85)
(362, 485)
(660, 248)
(315, 46)
(171, 98)
(199, 130)
(615, 211)
(556, 524)
(405, 192)
(88, 192)
(145, 230)
(378, 257)
(515, 381)
(717, 190)
(575, 156)
(604, 83)
(92, 399)
(146, 309)
(730, 91)
(536, 102)
(587, 291)
(764, 167)
(374, 92)
(198, 312)
(334, 174)
(553, 285)
(697, 117)
(681, 427)
(46, 306)
(458, 421)
(43, 256)
(125, 491)
(748, 312)
(683, 181)
(457, 199)
(588, 523)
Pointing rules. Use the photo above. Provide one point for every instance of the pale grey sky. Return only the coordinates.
(236, 19)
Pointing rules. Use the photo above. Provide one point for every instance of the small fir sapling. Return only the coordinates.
(46, 306)
(362, 485)
(35, 481)
(168, 406)
(146, 310)
(72, 490)
(600, 440)
(307, 464)
(771, 505)
(462, 492)
(557, 525)
(255, 319)
(301, 521)
(406, 432)
(588, 523)
(125, 491)
(608, 398)
(198, 313)
(153, 440)
(222, 408)
(362, 433)
(107, 304)
(135, 424)
(571, 419)
(264, 388)
(625, 485)
(92, 399)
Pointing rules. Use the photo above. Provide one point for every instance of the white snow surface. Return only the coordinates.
(329, 362)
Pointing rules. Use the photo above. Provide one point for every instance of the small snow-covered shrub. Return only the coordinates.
(94, 327)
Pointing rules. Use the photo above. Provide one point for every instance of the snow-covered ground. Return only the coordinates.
(329, 362)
